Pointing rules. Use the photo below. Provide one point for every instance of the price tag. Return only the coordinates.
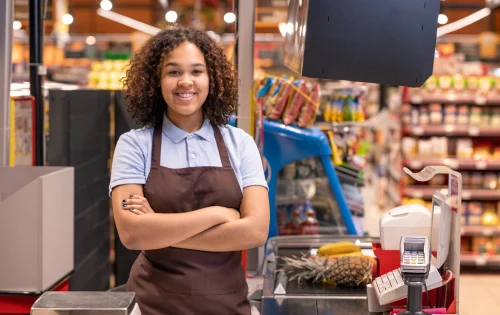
(474, 131)
(466, 195)
(416, 99)
(480, 100)
(418, 131)
(487, 231)
(415, 164)
(481, 165)
(481, 260)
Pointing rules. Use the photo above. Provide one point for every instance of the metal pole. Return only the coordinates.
(244, 53)
(36, 73)
(6, 21)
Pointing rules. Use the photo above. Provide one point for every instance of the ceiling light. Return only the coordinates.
(229, 17)
(90, 40)
(17, 25)
(171, 16)
(106, 5)
(442, 19)
(67, 19)
(466, 21)
(125, 20)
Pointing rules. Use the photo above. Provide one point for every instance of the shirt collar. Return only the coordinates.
(177, 135)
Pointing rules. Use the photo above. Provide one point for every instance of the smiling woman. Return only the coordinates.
(147, 72)
(188, 189)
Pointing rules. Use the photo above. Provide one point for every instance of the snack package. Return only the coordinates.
(475, 213)
(276, 111)
(480, 244)
(293, 108)
(328, 109)
(274, 97)
(463, 115)
(309, 110)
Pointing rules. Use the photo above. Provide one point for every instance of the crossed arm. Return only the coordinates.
(208, 229)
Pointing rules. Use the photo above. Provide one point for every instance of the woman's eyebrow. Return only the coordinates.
(173, 64)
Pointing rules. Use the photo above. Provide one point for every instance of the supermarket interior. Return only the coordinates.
(378, 127)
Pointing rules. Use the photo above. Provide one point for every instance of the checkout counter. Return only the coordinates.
(326, 51)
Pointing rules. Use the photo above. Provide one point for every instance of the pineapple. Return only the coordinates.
(348, 271)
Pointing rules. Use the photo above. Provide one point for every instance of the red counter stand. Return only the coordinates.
(21, 303)
(389, 260)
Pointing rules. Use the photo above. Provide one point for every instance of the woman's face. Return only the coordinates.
(184, 80)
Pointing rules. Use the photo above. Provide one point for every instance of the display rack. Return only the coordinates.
(456, 124)
(312, 171)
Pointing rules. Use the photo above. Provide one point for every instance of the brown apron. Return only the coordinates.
(181, 281)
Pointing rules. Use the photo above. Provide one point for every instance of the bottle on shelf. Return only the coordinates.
(282, 223)
(295, 223)
(310, 225)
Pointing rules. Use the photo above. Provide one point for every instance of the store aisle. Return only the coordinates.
(479, 294)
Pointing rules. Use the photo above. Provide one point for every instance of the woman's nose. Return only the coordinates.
(185, 80)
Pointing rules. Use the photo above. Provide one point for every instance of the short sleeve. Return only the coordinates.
(252, 171)
(129, 162)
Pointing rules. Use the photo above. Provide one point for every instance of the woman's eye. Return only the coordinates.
(173, 72)
(197, 72)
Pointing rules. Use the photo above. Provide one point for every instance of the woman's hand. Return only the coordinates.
(137, 205)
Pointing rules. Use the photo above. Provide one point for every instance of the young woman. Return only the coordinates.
(188, 190)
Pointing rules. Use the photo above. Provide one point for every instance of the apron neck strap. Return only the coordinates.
(156, 155)
(221, 146)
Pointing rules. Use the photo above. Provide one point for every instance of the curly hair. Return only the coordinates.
(142, 92)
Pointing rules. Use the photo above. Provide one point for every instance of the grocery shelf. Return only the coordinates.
(454, 163)
(452, 130)
(467, 194)
(469, 259)
(454, 98)
(479, 230)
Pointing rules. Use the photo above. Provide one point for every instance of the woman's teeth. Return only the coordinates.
(185, 95)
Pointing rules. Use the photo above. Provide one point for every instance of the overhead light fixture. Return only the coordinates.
(171, 16)
(106, 5)
(90, 40)
(229, 17)
(442, 19)
(125, 20)
(466, 21)
(16, 25)
(67, 19)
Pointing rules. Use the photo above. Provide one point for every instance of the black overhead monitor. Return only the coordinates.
(380, 41)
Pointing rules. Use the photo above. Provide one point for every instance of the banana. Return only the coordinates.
(338, 248)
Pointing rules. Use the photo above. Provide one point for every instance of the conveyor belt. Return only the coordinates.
(314, 307)
(310, 298)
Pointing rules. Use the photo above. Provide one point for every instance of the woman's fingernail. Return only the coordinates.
(132, 209)
(124, 200)
(124, 206)
(131, 196)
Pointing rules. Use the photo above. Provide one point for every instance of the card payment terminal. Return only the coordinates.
(415, 264)
(415, 255)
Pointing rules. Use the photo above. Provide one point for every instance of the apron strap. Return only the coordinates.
(156, 152)
(221, 146)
